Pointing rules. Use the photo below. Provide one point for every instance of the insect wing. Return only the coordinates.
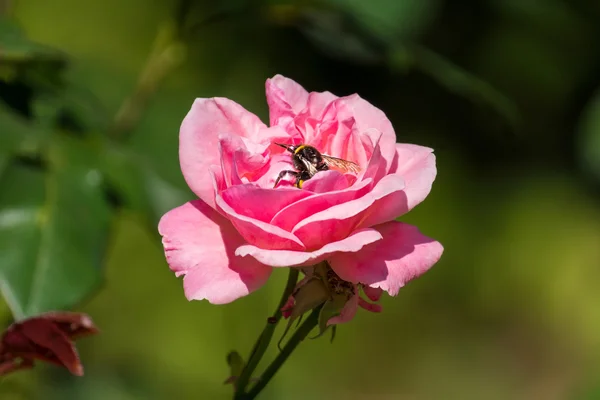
(339, 164)
(310, 167)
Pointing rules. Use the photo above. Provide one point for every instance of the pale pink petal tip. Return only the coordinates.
(416, 164)
(288, 258)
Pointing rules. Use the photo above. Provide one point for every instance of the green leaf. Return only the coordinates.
(53, 235)
(24, 63)
(236, 363)
(85, 107)
(589, 137)
(61, 103)
(4, 161)
(390, 19)
(124, 175)
(68, 106)
(455, 79)
(590, 392)
(339, 37)
(16, 47)
(138, 185)
(18, 134)
(127, 176)
(163, 195)
(362, 30)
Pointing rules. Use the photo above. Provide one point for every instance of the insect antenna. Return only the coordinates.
(285, 146)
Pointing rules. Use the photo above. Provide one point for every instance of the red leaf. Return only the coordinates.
(48, 337)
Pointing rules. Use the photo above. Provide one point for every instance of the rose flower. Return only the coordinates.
(243, 225)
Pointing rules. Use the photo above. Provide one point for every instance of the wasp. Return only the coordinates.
(308, 161)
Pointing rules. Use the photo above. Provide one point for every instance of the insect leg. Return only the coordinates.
(284, 173)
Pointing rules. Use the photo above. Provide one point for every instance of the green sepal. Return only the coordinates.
(236, 367)
(236, 363)
(333, 331)
(307, 297)
(331, 308)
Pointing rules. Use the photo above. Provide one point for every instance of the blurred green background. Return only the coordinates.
(507, 92)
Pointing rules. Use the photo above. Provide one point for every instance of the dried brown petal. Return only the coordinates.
(48, 337)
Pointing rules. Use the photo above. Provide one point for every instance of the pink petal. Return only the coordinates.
(288, 307)
(326, 181)
(376, 308)
(258, 203)
(416, 164)
(258, 233)
(290, 106)
(199, 139)
(347, 313)
(402, 255)
(384, 209)
(369, 121)
(318, 102)
(272, 134)
(376, 168)
(276, 164)
(287, 258)
(338, 135)
(374, 294)
(339, 221)
(199, 244)
(238, 160)
(291, 215)
(285, 97)
(418, 170)
(348, 144)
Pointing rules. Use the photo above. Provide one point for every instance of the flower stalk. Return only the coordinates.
(298, 336)
(263, 341)
(167, 54)
(368, 251)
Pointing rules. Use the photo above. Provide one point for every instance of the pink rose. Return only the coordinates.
(227, 242)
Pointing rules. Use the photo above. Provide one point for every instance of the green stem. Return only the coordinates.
(290, 346)
(262, 343)
(168, 53)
